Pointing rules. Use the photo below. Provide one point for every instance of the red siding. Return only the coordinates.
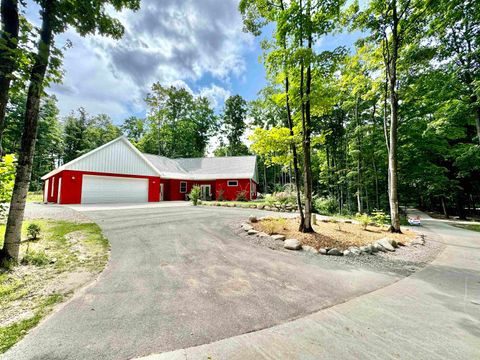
(71, 189)
(231, 192)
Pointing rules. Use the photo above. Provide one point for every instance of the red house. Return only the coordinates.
(118, 172)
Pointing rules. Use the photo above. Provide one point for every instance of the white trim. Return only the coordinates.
(45, 191)
(186, 187)
(121, 138)
(228, 183)
(59, 190)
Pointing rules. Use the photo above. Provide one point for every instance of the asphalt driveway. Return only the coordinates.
(180, 277)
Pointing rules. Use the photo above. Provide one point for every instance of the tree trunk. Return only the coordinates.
(359, 161)
(24, 167)
(392, 156)
(9, 44)
(306, 127)
(444, 207)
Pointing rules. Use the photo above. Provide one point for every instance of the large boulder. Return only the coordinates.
(292, 244)
(385, 243)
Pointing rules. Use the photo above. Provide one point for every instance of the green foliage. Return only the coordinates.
(233, 118)
(241, 195)
(178, 124)
(364, 220)
(33, 231)
(7, 180)
(195, 194)
(83, 133)
(325, 205)
(380, 217)
(37, 258)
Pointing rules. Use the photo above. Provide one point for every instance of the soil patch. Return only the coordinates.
(336, 234)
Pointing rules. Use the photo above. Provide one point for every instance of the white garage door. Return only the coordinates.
(109, 189)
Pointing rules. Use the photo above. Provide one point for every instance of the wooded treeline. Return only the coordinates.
(402, 107)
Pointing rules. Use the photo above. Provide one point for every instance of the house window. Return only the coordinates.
(232, 183)
(183, 187)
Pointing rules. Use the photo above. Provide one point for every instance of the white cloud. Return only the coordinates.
(170, 41)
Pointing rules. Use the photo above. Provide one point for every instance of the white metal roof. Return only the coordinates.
(120, 156)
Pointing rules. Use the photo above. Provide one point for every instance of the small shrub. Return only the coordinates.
(220, 195)
(37, 258)
(33, 231)
(241, 195)
(364, 220)
(380, 217)
(325, 206)
(195, 194)
(338, 222)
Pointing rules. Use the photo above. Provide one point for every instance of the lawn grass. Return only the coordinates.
(35, 196)
(66, 256)
(332, 234)
(472, 227)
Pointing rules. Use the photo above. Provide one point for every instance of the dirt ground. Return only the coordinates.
(337, 234)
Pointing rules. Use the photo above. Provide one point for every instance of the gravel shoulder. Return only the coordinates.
(34, 210)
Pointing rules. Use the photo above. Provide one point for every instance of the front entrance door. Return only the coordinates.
(161, 192)
(206, 192)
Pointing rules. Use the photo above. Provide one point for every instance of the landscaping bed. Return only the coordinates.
(416, 252)
(66, 256)
(340, 234)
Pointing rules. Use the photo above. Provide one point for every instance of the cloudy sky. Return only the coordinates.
(195, 43)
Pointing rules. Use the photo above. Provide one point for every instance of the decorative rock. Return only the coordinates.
(278, 237)
(374, 248)
(377, 247)
(252, 219)
(385, 243)
(323, 251)
(354, 250)
(393, 243)
(310, 249)
(246, 226)
(348, 253)
(260, 206)
(252, 232)
(292, 244)
(335, 252)
(262, 234)
(365, 249)
(347, 221)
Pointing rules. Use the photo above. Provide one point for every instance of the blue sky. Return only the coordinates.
(191, 43)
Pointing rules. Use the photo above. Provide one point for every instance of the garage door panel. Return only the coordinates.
(110, 189)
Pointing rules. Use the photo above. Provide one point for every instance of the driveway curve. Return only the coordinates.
(180, 277)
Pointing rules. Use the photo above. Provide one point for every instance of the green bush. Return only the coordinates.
(325, 205)
(33, 231)
(380, 217)
(37, 258)
(7, 179)
(364, 220)
(195, 194)
(241, 195)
